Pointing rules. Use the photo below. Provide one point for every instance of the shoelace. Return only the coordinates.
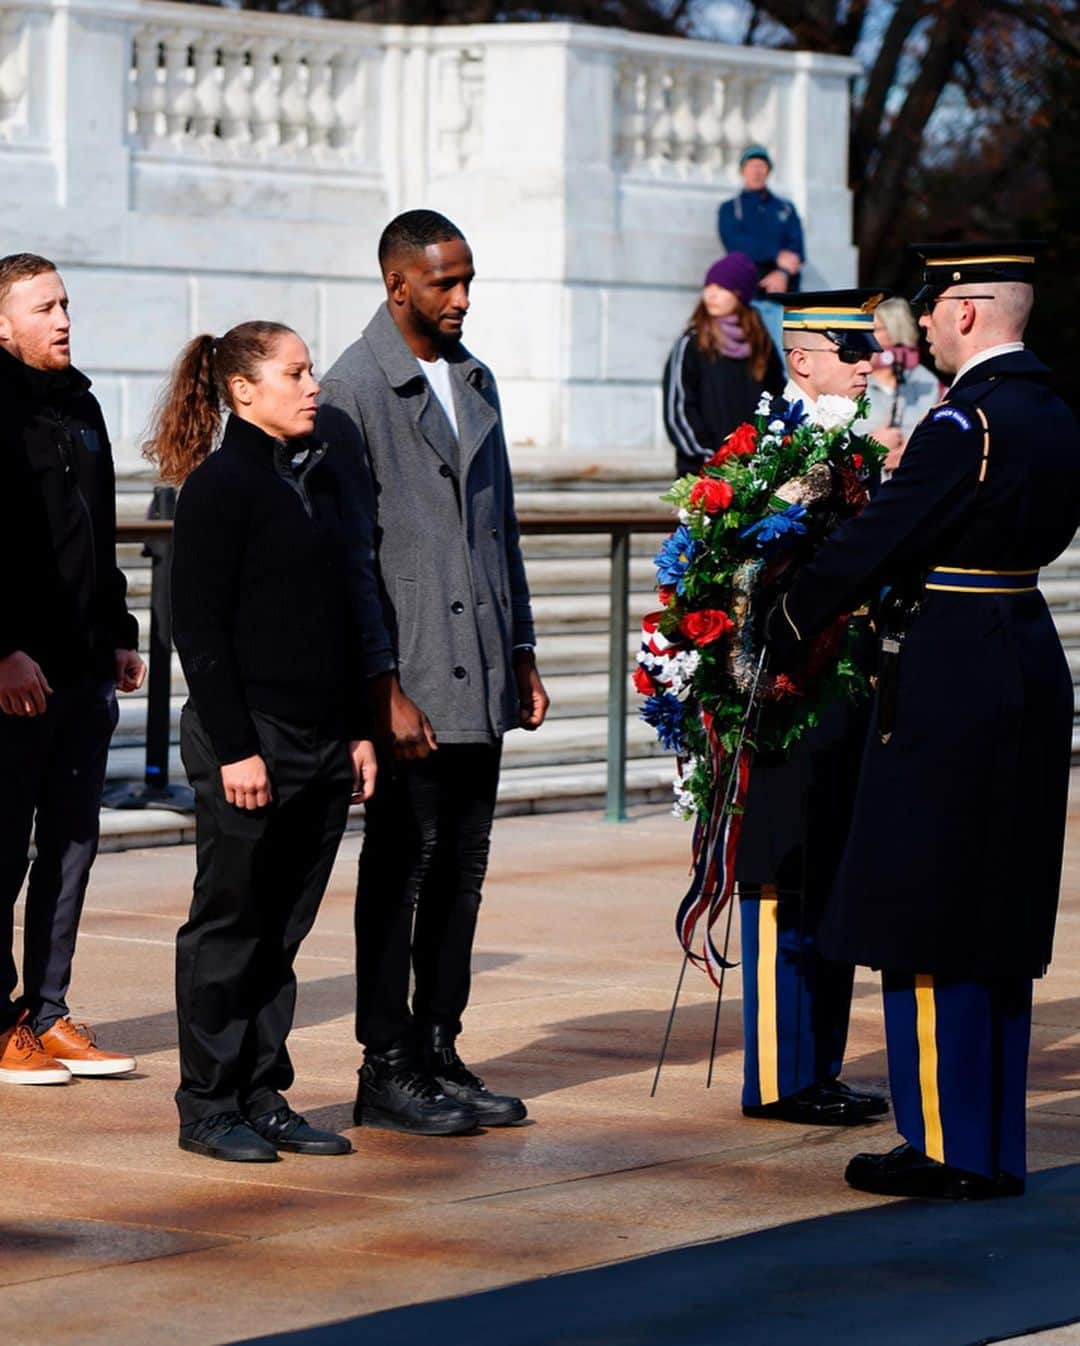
(416, 1084)
(452, 1067)
(210, 1127)
(26, 1040)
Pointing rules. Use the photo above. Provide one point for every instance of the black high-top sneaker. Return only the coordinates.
(396, 1093)
(459, 1083)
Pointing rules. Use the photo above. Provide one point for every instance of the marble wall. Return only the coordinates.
(189, 167)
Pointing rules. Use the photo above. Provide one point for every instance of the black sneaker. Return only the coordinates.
(396, 1094)
(287, 1130)
(227, 1135)
(459, 1083)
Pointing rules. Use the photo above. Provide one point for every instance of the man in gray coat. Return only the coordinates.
(450, 660)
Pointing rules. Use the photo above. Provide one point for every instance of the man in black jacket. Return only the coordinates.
(67, 642)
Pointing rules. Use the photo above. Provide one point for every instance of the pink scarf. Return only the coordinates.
(733, 344)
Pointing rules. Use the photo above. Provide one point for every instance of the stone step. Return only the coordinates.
(561, 741)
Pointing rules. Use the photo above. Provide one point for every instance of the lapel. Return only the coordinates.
(476, 417)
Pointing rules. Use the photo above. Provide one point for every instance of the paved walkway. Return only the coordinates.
(110, 1234)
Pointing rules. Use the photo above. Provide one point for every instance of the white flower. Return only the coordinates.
(832, 412)
(685, 805)
(685, 516)
(764, 405)
(776, 427)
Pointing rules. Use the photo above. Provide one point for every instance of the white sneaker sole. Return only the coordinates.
(35, 1076)
(121, 1066)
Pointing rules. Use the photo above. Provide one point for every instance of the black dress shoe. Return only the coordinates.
(874, 1105)
(818, 1105)
(287, 1130)
(459, 1083)
(906, 1171)
(397, 1094)
(227, 1135)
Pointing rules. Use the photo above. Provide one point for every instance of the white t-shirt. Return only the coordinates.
(437, 373)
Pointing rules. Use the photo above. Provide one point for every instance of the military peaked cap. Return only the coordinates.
(846, 317)
(946, 264)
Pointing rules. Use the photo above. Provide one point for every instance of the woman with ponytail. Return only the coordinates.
(274, 736)
(720, 366)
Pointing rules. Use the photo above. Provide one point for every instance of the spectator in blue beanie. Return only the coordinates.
(719, 367)
(764, 226)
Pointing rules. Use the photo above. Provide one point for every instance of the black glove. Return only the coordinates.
(782, 639)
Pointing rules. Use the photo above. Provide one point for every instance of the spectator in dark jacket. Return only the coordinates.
(67, 642)
(763, 225)
(275, 734)
(719, 367)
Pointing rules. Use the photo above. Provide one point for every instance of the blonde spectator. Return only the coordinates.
(900, 389)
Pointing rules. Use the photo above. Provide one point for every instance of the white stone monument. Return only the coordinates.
(190, 167)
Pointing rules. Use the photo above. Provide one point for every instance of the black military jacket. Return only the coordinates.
(953, 863)
(62, 593)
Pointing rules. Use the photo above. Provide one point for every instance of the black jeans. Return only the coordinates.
(426, 843)
(260, 877)
(52, 771)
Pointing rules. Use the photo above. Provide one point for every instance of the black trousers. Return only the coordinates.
(260, 877)
(52, 772)
(426, 843)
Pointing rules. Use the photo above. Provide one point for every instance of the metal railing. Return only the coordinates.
(156, 537)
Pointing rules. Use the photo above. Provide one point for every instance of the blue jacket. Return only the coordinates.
(761, 225)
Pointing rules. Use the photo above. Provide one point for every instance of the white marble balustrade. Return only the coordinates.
(189, 167)
(201, 88)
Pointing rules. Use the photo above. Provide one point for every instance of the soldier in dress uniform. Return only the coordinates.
(796, 1004)
(969, 748)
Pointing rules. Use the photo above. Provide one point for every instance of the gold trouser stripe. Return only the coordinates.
(768, 934)
(926, 1033)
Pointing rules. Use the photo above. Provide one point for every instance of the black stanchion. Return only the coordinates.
(155, 791)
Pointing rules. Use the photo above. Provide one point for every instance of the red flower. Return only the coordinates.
(643, 682)
(857, 461)
(743, 441)
(666, 594)
(711, 495)
(722, 454)
(783, 686)
(705, 626)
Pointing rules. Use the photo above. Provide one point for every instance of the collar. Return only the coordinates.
(248, 438)
(398, 362)
(793, 393)
(991, 353)
(55, 386)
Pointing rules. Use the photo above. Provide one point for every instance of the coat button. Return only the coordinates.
(494, 532)
(444, 471)
(459, 672)
(457, 606)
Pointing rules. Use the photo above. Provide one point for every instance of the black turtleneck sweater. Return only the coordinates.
(61, 592)
(261, 613)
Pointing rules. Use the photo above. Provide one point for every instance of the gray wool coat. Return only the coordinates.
(454, 598)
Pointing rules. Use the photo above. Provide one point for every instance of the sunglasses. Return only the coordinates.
(924, 307)
(842, 353)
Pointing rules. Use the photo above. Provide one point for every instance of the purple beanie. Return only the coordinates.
(736, 272)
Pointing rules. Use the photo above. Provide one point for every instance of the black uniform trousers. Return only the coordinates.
(426, 843)
(260, 877)
(52, 772)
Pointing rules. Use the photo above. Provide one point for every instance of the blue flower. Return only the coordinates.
(673, 559)
(665, 713)
(794, 417)
(769, 533)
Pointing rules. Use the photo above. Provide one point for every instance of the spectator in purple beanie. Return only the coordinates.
(719, 367)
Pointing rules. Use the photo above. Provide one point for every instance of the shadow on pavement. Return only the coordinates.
(938, 1274)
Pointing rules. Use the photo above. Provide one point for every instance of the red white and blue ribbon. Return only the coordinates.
(716, 841)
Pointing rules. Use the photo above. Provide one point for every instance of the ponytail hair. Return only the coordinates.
(187, 419)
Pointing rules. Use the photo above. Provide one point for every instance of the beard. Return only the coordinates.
(445, 341)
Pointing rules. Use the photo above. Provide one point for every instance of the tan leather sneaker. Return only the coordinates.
(73, 1045)
(23, 1060)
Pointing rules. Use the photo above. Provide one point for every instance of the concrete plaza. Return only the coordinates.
(685, 1222)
